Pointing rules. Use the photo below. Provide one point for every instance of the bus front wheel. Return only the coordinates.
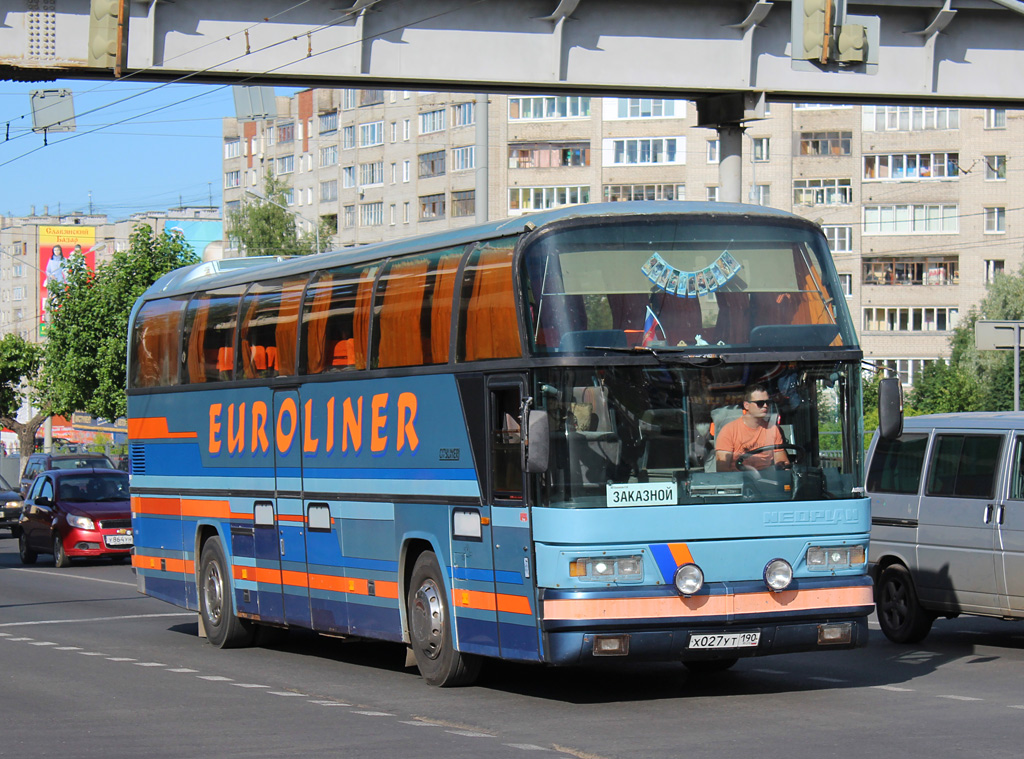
(430, 628)
(223, 628)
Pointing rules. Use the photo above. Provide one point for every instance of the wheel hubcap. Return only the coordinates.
(213, 593)
(428, 619)
(895, 604)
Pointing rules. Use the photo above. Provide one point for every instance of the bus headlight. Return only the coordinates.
(608, 569)
(689, 579)
(825, 558)
(778, 574)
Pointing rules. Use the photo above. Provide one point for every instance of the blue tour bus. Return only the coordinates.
(500, 441)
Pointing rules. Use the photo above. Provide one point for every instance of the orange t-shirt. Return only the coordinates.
(737, 438)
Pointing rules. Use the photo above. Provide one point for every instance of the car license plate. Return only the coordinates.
(118, 540)
(725, 640)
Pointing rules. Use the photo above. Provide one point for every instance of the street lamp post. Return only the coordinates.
(316, 227)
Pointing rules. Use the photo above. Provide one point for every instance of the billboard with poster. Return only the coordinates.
(56, 246)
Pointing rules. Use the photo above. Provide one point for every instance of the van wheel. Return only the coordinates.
(900, 615)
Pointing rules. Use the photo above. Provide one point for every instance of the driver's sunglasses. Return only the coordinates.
(760, 404)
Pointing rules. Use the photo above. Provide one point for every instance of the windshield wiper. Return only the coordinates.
(667, 354)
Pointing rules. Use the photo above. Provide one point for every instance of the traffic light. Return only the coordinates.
(103, 36)
(818, 19)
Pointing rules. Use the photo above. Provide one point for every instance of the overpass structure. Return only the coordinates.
(728, 55)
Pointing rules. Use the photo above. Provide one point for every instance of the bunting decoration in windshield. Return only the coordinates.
(691, 284)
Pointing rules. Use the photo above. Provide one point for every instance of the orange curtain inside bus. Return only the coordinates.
(195, 358)
(249, 368)
(361, 320)
(316, 327)
(441, 308)
(491, 327)
(286, 333)
(157, 351)
(401, 315)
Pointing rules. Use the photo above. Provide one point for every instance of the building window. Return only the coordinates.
(714, 151)
(406, 129)
(548, 155)
(329, 190)
(349, 214)
(348, 137)
(822, 192)
(406, 170)
(892, 270)
(548, 108)
(371, 214)
(432, 206)
(463, 114)
(761, 194)
(993, 268)
(846, 283)
(431, 164)
(911, 166)
(285, 164)
(18, 270)
(916, 319)
(909, 219)
(232, 148)
(17, 293)
(995, 118)
(760, 146)
(329, 156)
(995, 167)
(232, 179)
(432, 121)
(463, 159)
(329, 122)
(905, 118)
(646, 151)
(392, 210)
(617, 192)
(525, 199)
(826, 143)
(711, 193)
(349, 98)
(642, 108)
(464, 203)
(840, 238)
(348, 176)
(285, 133)
(995, 220)
(371, 134)
(405, 212)
(371, 97)
(371, 174)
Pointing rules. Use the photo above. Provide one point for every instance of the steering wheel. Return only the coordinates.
(798, 452)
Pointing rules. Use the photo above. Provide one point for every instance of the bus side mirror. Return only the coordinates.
(890, 408)
(536, 443)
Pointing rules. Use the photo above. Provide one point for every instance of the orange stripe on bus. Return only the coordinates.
(154, 428)
(197, 507)
(162, 506)
(664, 607)
(681, 553)
(163, 564)
(291, 518)
(478, 599)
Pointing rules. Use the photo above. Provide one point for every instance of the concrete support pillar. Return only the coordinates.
(730, 163)
(481, 114)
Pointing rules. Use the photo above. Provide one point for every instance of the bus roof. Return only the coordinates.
(216, 274)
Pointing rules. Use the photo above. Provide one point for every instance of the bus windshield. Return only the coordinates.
(680, 284)
(615, 429)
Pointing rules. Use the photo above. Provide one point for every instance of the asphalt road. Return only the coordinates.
(92, 669)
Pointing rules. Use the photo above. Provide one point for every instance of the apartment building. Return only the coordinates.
(920, 204)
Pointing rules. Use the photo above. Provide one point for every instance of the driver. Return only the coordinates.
(750, 432)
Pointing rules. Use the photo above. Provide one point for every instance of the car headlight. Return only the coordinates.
(82, 523)
(778, 574)
(825, 558)
(608, 569)
(14, 505)
(688, 579)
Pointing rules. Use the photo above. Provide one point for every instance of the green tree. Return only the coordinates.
(86, 349)
(943, 388)
(264, 226)
(20, 362)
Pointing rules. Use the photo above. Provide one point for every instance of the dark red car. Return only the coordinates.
(77, 513)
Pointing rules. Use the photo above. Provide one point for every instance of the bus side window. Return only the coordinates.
(210, 335)
(155, 343)
(270, 314)
(335, 318)
(488, 327)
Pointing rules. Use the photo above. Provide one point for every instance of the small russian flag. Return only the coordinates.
(651, 327)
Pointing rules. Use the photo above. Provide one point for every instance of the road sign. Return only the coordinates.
(992, 335)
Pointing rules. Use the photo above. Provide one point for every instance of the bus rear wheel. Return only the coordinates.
(223, 628)
(430, 628)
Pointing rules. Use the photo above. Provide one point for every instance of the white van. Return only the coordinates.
(947, 521)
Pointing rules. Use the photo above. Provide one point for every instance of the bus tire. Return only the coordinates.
(900, 614)
(223, 628)
(430, 628)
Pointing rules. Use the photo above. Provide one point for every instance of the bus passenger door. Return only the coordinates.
(515, 599)
(291, 517)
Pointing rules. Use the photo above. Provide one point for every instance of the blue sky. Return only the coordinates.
(139, 146)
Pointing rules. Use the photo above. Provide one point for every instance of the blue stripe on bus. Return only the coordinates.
(666, 561)
(486, 575)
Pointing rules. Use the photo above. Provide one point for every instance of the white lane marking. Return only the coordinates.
(120, 658)
(42, 643)
(828, 679)
(961, 698)
(527, 747)
(182, 669)
(93, 619)
(374, 714)
(215, 678)
(1017, 706)
(328, 703)
(15, 640)
(416, 723)
(91, 653)
(893, 688)
(68, 648)
(72, 577)
(286, 693)
(5, 635)
(149, 664)
(249, 685)
(469, 733)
